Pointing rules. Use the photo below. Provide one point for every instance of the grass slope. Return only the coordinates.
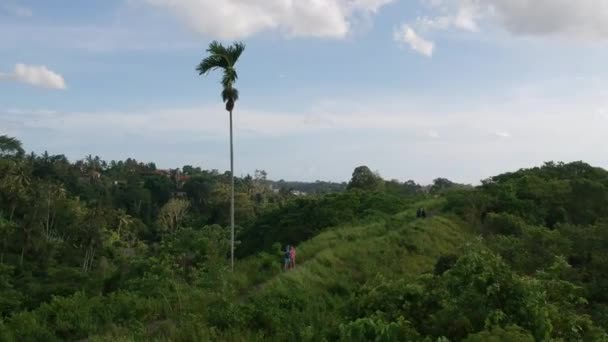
(335, 264)
(310, 302)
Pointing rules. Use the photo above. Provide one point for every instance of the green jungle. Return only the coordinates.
(122, 251)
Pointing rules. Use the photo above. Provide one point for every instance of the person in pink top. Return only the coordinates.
(292, 256)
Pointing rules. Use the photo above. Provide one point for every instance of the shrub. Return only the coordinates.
(503, 224)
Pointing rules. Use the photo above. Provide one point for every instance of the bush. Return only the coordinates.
(444, 263)
(74, 317)
(26, 327)
(503, 224)
(498, 334)
(370, 329)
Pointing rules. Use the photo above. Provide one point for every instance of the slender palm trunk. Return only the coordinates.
(231, 197)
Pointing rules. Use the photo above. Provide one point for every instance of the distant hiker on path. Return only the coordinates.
(287, 258)
(423, 213)
(292, 256)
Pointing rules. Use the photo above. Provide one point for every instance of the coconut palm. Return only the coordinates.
(225, 58)
(10, 146)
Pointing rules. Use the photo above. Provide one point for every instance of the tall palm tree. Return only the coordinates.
(225, 58)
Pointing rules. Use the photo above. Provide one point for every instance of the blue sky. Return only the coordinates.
(416, 89)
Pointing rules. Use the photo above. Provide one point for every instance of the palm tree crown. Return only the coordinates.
(225, 58)
(12, 146)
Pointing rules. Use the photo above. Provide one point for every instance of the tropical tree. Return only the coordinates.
(10, 146)
(225, 58)
(173, 213)
(7, 228)
(364, 179)
(14, 183)
(125, 226)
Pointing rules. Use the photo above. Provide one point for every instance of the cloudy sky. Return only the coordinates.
(416, 89)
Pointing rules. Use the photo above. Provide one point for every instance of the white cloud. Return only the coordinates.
(96, 38)
(18, 11)
(522, 113)
(36, 75)
(231, 19)
(547, 119)
(433, 3)
(463, 18)
(455, 14)
(433, 134)
(602, 113)
(437, 23)
(406, 35)
(573, 19)
(587, 19)
(502, 134)
(582, 18)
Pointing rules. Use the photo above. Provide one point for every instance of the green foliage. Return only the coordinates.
(443, 185)
(483, 290)
(316, 188)
(553, 194)
(224, 58)
(444, 263)
(364, 179)
(367, 329)
(26, 326)
(548, 223)
(79, 316)
(503, 224)
(10, 147)
(122, 251)
(498, 334)
(303, 218)
(10, 298)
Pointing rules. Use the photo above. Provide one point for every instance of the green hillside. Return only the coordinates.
(121, 251)
(336, 264)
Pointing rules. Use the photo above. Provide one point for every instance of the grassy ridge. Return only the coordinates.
(334, 265)
(400, 247)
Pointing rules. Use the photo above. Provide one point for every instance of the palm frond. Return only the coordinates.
(216, 48)
(230, 94)
(230, 76)
(220, 57)
(230, 53)
(235, 51)
(10, 145)
(211, 63)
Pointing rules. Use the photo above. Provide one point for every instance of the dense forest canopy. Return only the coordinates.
(123, 250)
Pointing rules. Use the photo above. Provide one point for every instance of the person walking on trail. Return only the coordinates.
(423, 213)
(419, 213)
(292, 256)
(287, 258)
